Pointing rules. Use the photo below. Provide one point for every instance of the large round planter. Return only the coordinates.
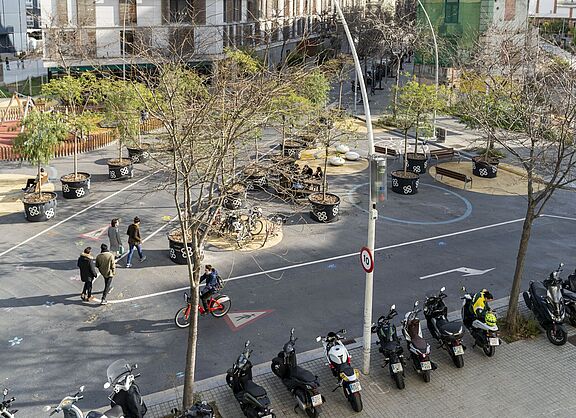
(234, 197)
(120, 169)
(405, 184)
(178, 253)
(483, 168)
(75, 189)
(256, 179)
(324, 212)
(417, 163)
(40, 211)
(140, 154)
(292, 148)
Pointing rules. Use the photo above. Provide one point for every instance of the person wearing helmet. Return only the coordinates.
(479, 304)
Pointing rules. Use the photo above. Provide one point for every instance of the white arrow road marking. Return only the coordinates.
(467, 270)
(96, 234)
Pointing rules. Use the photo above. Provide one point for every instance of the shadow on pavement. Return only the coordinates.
(139, 326)
(43, 300)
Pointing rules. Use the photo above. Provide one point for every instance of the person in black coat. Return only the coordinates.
(87, 273)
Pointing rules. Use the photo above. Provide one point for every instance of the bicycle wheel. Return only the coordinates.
(182, 318)
(222, 307)
(257, 227)
(243, 236)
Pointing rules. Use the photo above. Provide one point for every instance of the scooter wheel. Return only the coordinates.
(426, 375)
(489, 350)
(356, 402)
(399, 379)
(458, 361)
(557, 338)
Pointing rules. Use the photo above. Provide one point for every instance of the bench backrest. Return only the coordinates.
(454, 174)
(385, 150)
(443, 151)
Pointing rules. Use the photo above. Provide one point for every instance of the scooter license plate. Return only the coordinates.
(493, 341)
(458, 350)
(396, 367)
(426, 365)
(355, 387)
(317, 400)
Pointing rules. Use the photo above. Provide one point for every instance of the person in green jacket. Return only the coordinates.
(106, 264)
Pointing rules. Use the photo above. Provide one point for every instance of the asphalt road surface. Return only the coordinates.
(51, 342)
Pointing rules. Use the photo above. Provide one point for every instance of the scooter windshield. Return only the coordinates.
(118, 371)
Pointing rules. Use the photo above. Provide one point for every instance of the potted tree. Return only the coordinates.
(326, 206)
(43, 131)
(179, 250)
(75, 94)
(124, 102)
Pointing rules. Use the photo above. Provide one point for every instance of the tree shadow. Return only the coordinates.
(99, 178)
(43, 300)
(64, 265)
(138, 326)
(101, 161)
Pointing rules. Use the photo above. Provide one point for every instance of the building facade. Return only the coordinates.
(13, 29)
(109, 32)
(552, 9)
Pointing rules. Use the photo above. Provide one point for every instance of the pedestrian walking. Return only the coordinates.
(116, 247)
(134, 241)
(87, 273)
(106, 264)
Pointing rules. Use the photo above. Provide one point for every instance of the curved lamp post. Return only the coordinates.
(436, 59)
(372, 212)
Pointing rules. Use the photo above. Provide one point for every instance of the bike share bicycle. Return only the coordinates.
(218, 306)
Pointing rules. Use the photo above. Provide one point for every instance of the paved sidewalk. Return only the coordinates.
(524, 379)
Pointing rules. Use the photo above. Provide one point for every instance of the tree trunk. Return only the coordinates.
(283, 133)
(189, 377)
(39, 180)
(405, 151)
(512, 316)
(395, 104)
(340, 95)
(75, 154)
(325, 177)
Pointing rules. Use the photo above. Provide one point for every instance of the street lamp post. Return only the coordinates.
(372, 212)
(436, 60)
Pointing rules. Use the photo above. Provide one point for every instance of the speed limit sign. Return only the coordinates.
(366, 259)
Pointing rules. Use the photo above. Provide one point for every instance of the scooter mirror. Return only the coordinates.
(318, 339)
(47, 408)
(393, 307)
(342, 331)
(442, 289)
(247, 343)
(81, 388)
(106, 385)
(463, 289)
(416, 303)
(135, 366)
(292, 331)
(5, 392)
(561, 264)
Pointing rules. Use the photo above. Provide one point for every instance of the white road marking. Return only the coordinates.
(567, 218)
(338, 257)
(74, 215)
(467, 270)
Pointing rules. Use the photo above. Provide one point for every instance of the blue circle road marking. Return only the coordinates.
(466, 213)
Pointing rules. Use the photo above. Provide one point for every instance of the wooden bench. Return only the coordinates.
(454, 175)
(445, 153)
(389, 152)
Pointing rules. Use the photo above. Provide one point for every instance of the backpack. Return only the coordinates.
(220, 283)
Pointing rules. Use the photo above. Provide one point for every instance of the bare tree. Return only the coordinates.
(525, 101)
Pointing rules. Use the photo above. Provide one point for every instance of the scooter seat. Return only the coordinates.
(303, 375)
(419, 342)
(538, 290)
(449, 328)
(391, 346)
(567, 294)
(115, 412)
(254, 389)
(345, 368)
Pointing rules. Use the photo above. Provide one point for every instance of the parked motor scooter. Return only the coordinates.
(302, 384)
(546, 302)
(339, 361)
(448, 334)
(485, 333)
(252, 398)
(417, 346)
(126, 393)
(5, 411)
(390, 346)
(68, 407)
(569, 295)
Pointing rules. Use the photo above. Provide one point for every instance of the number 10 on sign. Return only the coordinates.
(366, 260)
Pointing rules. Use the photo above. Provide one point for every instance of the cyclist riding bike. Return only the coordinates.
(210, 276)
(479, 304)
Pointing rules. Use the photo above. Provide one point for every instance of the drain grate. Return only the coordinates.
(572, 340)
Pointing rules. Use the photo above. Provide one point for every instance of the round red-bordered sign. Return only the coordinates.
(366, 259)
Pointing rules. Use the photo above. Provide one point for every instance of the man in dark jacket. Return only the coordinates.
(210, 276)
(87, 273)
(134, 241)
